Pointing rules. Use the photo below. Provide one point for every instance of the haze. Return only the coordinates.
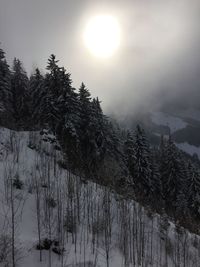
(158, 61)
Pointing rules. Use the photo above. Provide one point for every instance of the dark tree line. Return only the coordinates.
(162, 177)
(85, 133)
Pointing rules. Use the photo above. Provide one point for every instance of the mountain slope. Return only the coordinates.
(184, 126)
(80, 223)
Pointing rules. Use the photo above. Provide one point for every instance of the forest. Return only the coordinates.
(92, 182)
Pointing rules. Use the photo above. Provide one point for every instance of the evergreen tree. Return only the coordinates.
(182, 209)
(61, 109)
(194, 191)
(68, 104)
(160, 158)
(67, 128)
(19, 83)
(129, 153)
(98, 124)
(57, 82)
(84, 126)
(5, 85)
(155, 177)
(172, 174)
(85, 107)
(99, 132)
(113, 142)
(37, 95)
(142, 169)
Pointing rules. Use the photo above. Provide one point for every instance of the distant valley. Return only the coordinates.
(183, 125)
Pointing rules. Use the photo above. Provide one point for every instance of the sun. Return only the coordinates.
(102, 36)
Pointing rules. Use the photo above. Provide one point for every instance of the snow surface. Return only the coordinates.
(190, 149)
(174, 123)
(190, 113)
(135, 232)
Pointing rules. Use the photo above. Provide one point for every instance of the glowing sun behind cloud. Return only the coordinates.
(102, 36)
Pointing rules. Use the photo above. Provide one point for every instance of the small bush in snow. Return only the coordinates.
(70, 224)
(45, 244)
(43, 185)
(31, 146)
(17, 183)
(5, 247)
(51, 202)
(58, 250)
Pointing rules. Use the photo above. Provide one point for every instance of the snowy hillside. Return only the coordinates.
(180, 126)
(49, 217)
(174, 123)
(190, 149)
(189, 113)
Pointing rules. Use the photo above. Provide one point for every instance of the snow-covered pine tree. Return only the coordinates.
(19, 86)
(5, 85)
(172, 174)
(37, 95)
(67, 126)
(114, 143)
(155, 178)
(85, 106)
(98, 123)
(194, 191)
(84, 125)
(142, 169)
(51, 113)
(68, 104)
(57, 81)
(98, 133)
(182, 200)
(129, 154)
(160, 158)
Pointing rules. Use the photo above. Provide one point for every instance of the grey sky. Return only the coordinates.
(159, 56)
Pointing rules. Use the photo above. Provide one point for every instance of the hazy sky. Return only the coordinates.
(158, 60)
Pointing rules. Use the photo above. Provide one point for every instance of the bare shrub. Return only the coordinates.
(5, 248)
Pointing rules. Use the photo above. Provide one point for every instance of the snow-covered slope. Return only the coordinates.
(83, 224)
(174, 123)
(190, 149)
(189, 113)
(180, 122)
